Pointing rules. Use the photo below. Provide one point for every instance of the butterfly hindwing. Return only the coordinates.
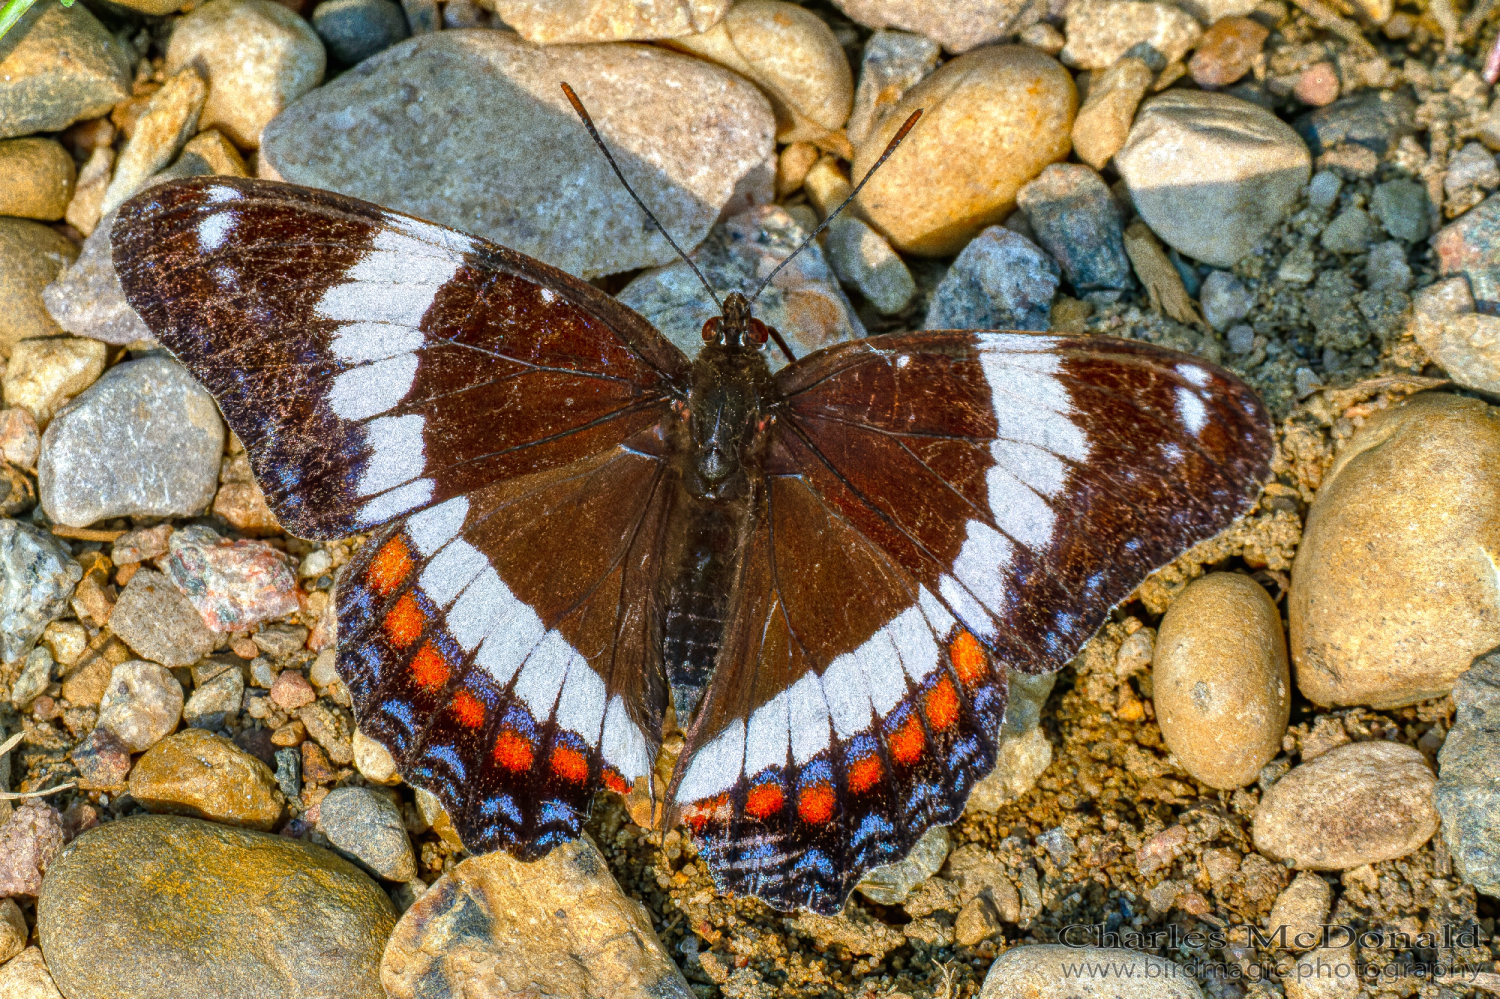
(937, 508)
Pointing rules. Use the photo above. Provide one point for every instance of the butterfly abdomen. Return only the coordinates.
(694, 597)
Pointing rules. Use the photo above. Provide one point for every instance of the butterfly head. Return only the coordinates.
(736, 329)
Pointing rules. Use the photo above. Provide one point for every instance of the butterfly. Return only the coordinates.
(828, 570)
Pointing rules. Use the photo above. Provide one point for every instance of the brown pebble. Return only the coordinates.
(293, 733)
(243, 647)
(290, 690)
(316, 769)
(1318, 85)
(1226, 51)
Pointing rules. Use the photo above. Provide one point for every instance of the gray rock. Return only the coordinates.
(354, 30)
(1240, 339)
(289, 772)
(1471, 166)
(215, 700)
(59, 65)
(37, 576)
(1024, 749)
(1224, 300)
(1375, 119)
(1471, 246)
(1323, 190)
(1468, 790)
(35, 675)
(892, 63)
(1049, 971)
(890, 884)
(1350, 232)
(805, 302)
(87, 300)
(1402, 206)
(864, 260)
(1075, 219)
(141, 705)
(1386, 267)
(159, 623)
(144, 440)
(1001, 280)
(1059, 845)
(560, 202)
(367, 825)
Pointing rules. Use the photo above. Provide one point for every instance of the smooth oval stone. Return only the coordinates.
(31, 255)
(1393, 589)
(204, 775)
(959, 25)
(559, 21)
(59, 65)
(39, 176)
(1099, 32)
(367, 825)
(1212, 174)
(1221, 684)
(154, 905)
(1302, 907)
(992, 119)
(494, 926)
(1357, 804)
(354, 30)
(1041, 971)
(387, 134)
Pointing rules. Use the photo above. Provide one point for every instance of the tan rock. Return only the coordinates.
(1325, 973)
(218, 152)
(959, 25)
(1226, 51)
(1222, 686)
(59, 65)
(992, 120)
(44, 374)
(1099, 32)
(890, 884)
(1465, 344)
(141, 704)
(259, 57)
(170, 118)
(87, 207)
(1104, 120)
(561, 926)
(1302, 908)
(794, 57)
(559, 21)
(1356, 804)
(374, 761)
(1394, 590)
(1212, 174)
(39, 176)
(1038, 971)
(26, 977)
(204, 775)
(240, 500)
(31, 256)
(13, 931)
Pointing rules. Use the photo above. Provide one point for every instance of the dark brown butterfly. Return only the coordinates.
(829, 568)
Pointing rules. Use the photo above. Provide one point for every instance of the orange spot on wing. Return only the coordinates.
(764, 800)
(815, 804)
(615, 781)
(429, 670)
(969, 658)
(569, 764)
(404, 623)
(390, 566)
(468, 709)
(864, 774)
(942, 705)
(906, 742)
(513, 751)
(700, 814)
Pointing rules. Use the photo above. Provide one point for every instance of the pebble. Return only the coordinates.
(1386, 269)
(1403, 208)
(20, 440)
(87, 205)
(39, 176)
(26, 977)
(259, 57)
(1471, 247)
(330, 729)
(1077, 221)
(44, 374)
(1227, 51)
(1466, 345)
(1471, 166)
(1467, 799)
(170, 119)
(1324, 973)
(13, 931)
(103, 761)
(1350, 232)
(37, 576)
(86, 298)
(59, 65)
(561, 925)
(29, 842)
(159, 623)
(142, 441)
(290, 690)
(354, 30)
(1221, 682)
(356, 134)
(240, 500)
(215, 700)
(1375, 119)
(36, 673)
(864, 260)
(367, 825)
(280, 640)
(1042, 971)
(234, 585)
(204, 775)
(1001, 280)
(31, 255)
(1392, 594)
(1099, 32)
(993, 118)
(1302, 908)
(141, 705)
(890, 884)
(252, 915)
(373, 761)
(804, 302)
(1024, 750)
(607, 20)
(892, 63)
(1318, 85)
(957, 25)
(1212, 174)
(793, 55)
(1356, 804)
(1225, 301)
(1103, 123)
(140, 545)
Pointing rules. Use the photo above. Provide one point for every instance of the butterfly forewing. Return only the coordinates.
(938, 508)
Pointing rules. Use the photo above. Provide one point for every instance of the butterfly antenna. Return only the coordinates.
(890, 148)
(588, 123)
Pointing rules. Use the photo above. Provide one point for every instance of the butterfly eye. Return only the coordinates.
(711, 330)
(759, 332)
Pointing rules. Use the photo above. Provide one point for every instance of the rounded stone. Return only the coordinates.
(795, 58)
(562, 21)
(31, 256)
(354, 30)
(1221, 683)
(1099, 32)
(153, 905)
(959, 25)
(44, 374)
(141, 705)
(59, 65)
(1394, 589)
(992, 119)
(1356, 804)
(1227, 51)
(373, 761)
(692, 137)
(258, 56)
(1103, 123)
(1212, 174)
(39, 176)
(206, 776)
(1302, 907)
(1049, 971)
(367, 825)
